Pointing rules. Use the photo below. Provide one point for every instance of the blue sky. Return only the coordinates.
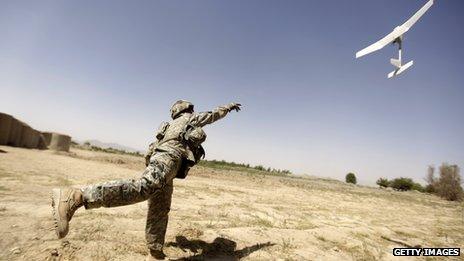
(110, 70)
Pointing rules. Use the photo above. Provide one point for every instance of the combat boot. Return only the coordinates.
(64, 203)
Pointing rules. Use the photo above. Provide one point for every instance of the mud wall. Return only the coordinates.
(29, 137)
(5, 126)
(47, 138)
(16, 133)
(60, 142)
(16, 130)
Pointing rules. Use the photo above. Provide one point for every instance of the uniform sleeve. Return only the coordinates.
(151, 149)
(203, 118)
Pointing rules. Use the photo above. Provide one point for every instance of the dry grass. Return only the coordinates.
(222, 214)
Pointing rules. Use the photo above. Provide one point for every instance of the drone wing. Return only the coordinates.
(380, 43)
(397, 32)
(409, 23)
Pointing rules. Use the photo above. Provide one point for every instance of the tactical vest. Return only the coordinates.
(191, 136)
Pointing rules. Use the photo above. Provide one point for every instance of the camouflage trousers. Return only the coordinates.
(155, 185)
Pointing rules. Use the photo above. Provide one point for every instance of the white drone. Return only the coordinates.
(396, 37)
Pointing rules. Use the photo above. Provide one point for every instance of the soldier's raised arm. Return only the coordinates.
(203, 118)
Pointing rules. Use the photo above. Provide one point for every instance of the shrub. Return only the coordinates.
(350, 178)
(383, 182)
(429, 188)
(418, 187)
(448, 185)
(431, 180)
(402, 184)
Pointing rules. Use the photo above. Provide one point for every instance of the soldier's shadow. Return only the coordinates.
(220, 249)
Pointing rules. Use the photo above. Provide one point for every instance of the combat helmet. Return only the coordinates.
(180, 106)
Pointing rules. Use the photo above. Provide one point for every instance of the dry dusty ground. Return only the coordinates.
(218, 215)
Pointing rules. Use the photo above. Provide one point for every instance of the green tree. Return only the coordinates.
(402, 184)
(383, 182)
(350, 178)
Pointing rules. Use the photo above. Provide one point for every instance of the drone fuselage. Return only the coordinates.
(398, 62)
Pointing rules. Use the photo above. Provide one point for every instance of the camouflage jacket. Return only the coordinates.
(171, 142)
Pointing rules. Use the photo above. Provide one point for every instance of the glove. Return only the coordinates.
(234, 106)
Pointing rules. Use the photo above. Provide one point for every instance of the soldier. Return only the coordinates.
(176, 149)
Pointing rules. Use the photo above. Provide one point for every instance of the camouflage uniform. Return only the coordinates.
(164, 160)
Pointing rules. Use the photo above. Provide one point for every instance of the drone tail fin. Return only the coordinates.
(396, 62)
(400, 69)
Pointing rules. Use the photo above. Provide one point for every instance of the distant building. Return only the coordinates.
(16, 133)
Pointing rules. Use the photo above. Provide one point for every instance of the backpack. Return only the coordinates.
(191, 135)
(194, 136)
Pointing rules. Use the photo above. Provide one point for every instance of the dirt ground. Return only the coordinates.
(219, 215)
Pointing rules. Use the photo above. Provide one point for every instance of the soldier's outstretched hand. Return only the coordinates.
(235, 106)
